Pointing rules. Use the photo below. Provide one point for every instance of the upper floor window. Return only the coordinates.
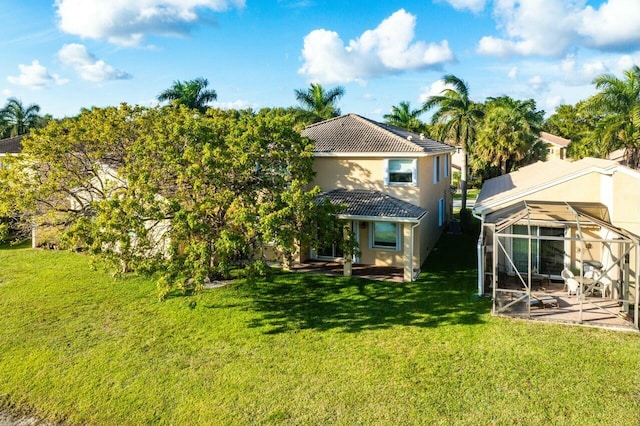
(401, 171)
(436, 169)
(446, 165)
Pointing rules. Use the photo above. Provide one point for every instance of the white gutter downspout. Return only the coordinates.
(480, 251)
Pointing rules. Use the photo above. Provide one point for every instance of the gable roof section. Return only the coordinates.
(11, 145)
(554, 140)
(352, 133)
(535, 177)
(373, 205)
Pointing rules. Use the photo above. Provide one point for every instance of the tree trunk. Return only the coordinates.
(503, 167)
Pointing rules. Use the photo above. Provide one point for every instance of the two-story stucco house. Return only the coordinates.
(396, 184)
(556, 146)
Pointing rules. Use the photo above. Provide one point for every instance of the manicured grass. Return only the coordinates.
(80, 347)
(472, 194)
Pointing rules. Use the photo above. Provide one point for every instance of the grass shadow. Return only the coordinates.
(442, 295)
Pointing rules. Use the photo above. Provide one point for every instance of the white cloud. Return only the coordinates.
(551, 103)
(87, 65)
(473, 5)
(615, 23)
(127, 22)
(551, 27)
(537, 84)
(35, 76)
(237, 104)
(625, 62)
(577, 72)
(6, 93)
(387, 49)
(435, 89)
(513, 73)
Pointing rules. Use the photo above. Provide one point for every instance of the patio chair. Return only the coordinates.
(573, 286)
(566, 274)
(602, 282)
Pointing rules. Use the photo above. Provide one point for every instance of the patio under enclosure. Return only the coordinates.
(561, 262)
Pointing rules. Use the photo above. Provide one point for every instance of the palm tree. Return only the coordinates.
(619, 103)
(403, 116)
(190, 93)
(457, 117)
(320, 102)
(509, 132)
(17, 118)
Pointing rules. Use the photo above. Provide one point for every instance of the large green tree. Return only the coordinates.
(402, 115)
(509, 133)
(17, 118)
(577, 123)
(618, 101)
(456, 119)
(320, 102)
(190, 93)
(164, 190)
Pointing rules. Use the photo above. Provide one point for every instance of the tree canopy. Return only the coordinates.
(509, 132)
(320, 102)
(402, 115)
(191, 93)
(17, 119)
(457, 117)
(164, 190)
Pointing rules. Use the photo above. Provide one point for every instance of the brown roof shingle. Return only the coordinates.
(361, 202)
(353, 133)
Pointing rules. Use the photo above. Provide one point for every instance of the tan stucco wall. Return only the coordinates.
(555, 152)
(625, 211)
(360, 173)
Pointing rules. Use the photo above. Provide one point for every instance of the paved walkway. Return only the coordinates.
(7, 419)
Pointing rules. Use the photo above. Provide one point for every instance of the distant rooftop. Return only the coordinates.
(11, 145)
(533, 176)
(555, 140)
(355, 134)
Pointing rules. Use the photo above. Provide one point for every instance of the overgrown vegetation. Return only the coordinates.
(77, 346)
(170, 190)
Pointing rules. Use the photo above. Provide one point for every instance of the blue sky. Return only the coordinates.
(69, 54)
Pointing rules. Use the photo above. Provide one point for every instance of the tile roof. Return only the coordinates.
(555, 140)
(533, 176)
(361, 202)
(353, 133)
(11, 145)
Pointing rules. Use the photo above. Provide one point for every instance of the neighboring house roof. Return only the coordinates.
(535, 177)
(11, 145)
(554, 140)
(618, 156)
(374, 205)
(352, 133)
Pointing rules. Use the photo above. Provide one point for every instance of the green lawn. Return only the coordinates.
(80, 347)
(472, 194)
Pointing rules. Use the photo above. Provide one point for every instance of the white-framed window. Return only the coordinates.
(436, 169)
(446, 165)
(401, 171)
(441, 212)
(385, 235)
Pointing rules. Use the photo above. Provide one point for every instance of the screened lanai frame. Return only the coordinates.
(583, 219)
